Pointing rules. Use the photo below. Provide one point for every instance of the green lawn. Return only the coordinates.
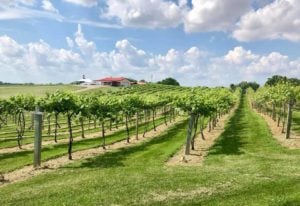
(246, 166)
(8, 133)
(13, 161)
(38, 90)
(296, 122)
(8, 139)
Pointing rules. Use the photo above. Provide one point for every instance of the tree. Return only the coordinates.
(244, 85)
(232, 87)
(295, 81)
(169, 81)
(253, 85)
(276, 79)
(272, 81)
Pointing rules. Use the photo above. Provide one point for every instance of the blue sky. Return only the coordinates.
(199, 42)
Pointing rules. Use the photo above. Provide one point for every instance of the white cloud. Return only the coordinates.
(169, 62)
(9, 47)
(86, 47)
(124, 60)
(145, 14)
(241, 64)
(188, 66)
(273, 63)
(45, 63)
(40, 54)
(16, 2)
(239, 17)
(48, 6)
(70, 42)
(277, 20)
(10, 10)
(245, 20)
(214, 15)
(194, 55)
(15, 11)
(35, 62)
(240, 56)
(85, 3)
(39, 62)
(131, 54)
(94, 23)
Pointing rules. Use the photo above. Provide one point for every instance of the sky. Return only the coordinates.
(197, 42)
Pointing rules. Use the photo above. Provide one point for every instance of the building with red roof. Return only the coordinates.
(114, 81)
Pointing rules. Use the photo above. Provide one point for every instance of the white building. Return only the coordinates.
(85, 81)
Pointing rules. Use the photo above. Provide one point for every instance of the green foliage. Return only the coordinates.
(246, 166)
(169, 81)
(205, 101)
(281, 93)
(130, 104)
(22, 102)
(276, 79)
(83, 103)
(4, 106)
(245, 85)
(127, 103)
(61, 102)
(101, 107)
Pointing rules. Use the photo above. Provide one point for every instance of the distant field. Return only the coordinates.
(38, 90)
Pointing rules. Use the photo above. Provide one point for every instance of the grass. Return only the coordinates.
(37, 90)
(246, 166)
(8, 136)
(296, 122)
(295, 117)
(9, 140)
(12, 161)
(8, 133)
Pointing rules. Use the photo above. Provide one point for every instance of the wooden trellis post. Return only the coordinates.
(37, 137)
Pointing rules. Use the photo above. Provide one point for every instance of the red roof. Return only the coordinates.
(112, 79)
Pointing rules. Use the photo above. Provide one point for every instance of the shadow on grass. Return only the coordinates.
(230, 141)
(23, 153)
(117, 158)
(15, 160)
(296, 122)
(52, 151)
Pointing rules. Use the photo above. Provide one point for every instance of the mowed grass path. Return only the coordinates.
(246, 166)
